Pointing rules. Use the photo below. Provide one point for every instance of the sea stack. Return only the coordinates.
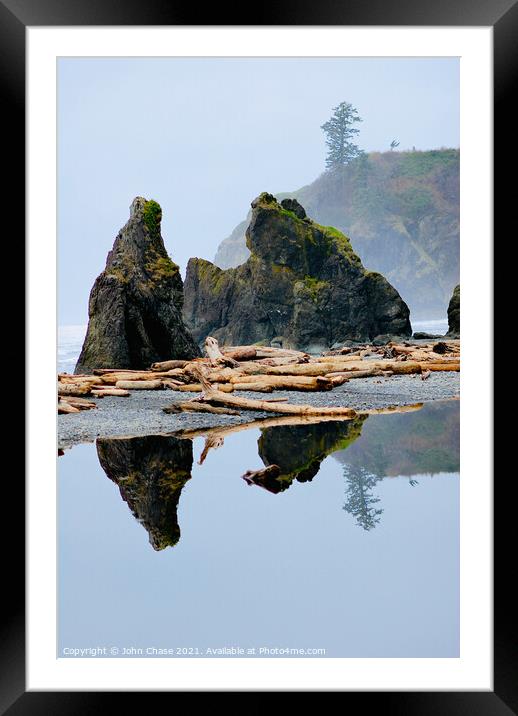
(302, 287)
(454, 313)
(135, 306)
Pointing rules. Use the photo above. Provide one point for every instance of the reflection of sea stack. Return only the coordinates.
(299, 450)
(150, 472)
(135, 306)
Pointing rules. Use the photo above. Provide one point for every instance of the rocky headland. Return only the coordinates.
(302, 287)
(401, 210)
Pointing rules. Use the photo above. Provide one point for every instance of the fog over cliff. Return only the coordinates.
(204, 136)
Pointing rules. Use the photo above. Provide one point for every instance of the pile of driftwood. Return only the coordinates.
(258, 369)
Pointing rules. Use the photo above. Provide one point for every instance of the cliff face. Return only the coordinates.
(302, 286)
(402, 210)
(151, 472)
(136, 302)
(454, 312)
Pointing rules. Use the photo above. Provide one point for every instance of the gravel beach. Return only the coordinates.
(141, 413)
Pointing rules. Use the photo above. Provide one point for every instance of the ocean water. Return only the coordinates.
(169, 546)
(437, 326)
(70, 340)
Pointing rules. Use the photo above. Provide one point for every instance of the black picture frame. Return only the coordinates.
(15, 16)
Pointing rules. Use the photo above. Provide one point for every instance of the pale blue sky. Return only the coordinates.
(204, 136)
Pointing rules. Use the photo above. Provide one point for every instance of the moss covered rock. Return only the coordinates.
(402, 210)
(302, 285)
(136, 302)
(454, 312)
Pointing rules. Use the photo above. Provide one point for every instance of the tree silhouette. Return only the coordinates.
(360, 502)
(393, 144)
(339, 131)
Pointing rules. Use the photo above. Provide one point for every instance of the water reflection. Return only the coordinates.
(151, 471)
(360, 502)
(425, 442)
(298, 450)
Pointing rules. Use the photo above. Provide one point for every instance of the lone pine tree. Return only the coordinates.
(339, 131)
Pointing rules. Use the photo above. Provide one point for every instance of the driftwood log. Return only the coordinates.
(114, 392)
(215, 356)
(168, 365)
(216, 397)
(264, 369)
(196, 407)
(139, 384)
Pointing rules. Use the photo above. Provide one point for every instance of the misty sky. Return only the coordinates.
(203, 137)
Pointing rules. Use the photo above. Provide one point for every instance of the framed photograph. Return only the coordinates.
(271, 464)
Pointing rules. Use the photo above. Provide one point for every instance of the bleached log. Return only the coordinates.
(254, 387)
(302, 369)
(347, 375)
(214, 354)
(454, 367)
(212, 396)
(197, 388)
(289, 360)
(64, 408)
(115, 392)
(336, 359)
(79, 379)
(113, 378)
(270, 352)
(404, 368)
(168, 365)
(139, 384)
(240, 354)
(338, 380)
(79, 403)
(215, 397)
(74, 389)
(270, 379)
(196, 407)
(169, 383)
(73, 400)
(216, 375)
(107, 371)
(304, 383)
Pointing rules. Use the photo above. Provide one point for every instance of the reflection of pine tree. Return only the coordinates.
(359, 499)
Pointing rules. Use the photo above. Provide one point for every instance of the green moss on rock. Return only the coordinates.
(302, 281)
(152, 214)
(135, 304)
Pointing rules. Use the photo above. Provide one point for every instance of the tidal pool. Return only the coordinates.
(349, 547)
